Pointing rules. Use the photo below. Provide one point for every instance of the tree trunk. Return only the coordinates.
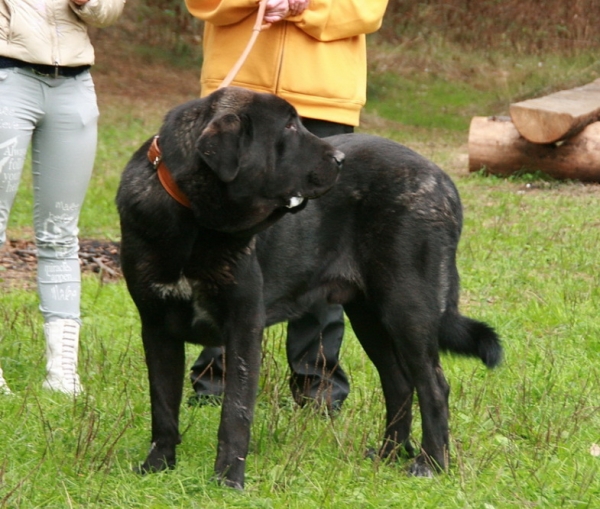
(496, 146)
(557, 116)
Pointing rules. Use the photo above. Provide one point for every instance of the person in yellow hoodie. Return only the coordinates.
(313, 54)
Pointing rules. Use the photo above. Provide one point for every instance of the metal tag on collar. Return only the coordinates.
(157, 153)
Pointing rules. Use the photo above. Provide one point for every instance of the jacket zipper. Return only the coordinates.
(55, 57)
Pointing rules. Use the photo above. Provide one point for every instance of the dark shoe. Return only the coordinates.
(322, 407)
(319, 394)
(198, 400)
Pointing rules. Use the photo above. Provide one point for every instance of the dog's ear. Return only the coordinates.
(219, 145)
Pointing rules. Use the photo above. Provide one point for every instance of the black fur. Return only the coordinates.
(382, 241)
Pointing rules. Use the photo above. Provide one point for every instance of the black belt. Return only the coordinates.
(50, 71)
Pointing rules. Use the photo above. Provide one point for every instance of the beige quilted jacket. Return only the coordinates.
(53, 32)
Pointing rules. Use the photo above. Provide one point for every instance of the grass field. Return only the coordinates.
(521, 435)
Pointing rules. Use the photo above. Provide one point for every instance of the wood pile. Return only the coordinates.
(558, 134)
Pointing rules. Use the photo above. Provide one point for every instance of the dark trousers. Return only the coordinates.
(312, 346)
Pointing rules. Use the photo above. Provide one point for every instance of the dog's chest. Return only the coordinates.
(189, 292)
(182, 289)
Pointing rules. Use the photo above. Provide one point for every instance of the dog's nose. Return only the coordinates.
(339, 157)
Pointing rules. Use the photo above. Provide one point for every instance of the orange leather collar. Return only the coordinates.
(164, 175)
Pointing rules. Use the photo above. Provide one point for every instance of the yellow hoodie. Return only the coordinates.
(316, 60)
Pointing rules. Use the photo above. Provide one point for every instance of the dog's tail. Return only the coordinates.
(464, 336)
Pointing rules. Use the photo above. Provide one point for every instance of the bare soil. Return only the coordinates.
(18, 262)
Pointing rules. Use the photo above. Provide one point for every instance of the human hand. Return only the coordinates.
(276, 10)
(298, 6)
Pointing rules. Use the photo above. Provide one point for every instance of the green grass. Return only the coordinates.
(430, 103)
(520, 435)
(434, 84)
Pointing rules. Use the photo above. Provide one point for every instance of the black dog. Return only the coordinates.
(234, 255)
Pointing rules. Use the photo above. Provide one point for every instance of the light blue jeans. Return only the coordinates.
(59, 118)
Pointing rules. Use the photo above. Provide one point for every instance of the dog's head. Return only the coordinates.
(244, 159)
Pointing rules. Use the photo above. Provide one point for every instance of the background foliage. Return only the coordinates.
(531, 26)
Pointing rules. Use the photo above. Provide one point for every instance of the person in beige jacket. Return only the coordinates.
(47, 100)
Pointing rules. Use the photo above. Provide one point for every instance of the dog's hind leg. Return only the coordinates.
(414, 323)
(396, 385)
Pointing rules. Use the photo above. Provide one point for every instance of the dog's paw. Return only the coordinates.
(392, 451)
(153, 468)
(420, 469)
(224, 481)
(156, 461)
(230, 473)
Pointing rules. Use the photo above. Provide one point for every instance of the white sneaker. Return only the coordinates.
(4, 388)
(62, 344)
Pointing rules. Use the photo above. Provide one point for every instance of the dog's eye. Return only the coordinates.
(291, 126)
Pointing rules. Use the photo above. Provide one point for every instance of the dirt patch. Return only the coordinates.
(18, 262)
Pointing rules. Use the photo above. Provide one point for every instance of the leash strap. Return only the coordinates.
(255, 31)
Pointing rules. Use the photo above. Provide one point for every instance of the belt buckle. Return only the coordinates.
(55, 75)
(38, 73)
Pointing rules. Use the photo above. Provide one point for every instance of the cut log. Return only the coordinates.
(557, 116)
(496, 146)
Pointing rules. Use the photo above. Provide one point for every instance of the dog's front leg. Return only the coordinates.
(243, 332)
(165, 358)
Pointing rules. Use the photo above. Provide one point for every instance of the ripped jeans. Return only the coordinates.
(59, 118)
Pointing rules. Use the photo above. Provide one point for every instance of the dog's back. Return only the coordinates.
(392, 208)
